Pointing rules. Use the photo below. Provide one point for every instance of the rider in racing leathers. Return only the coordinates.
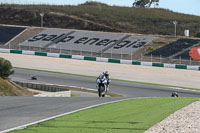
(105, 75)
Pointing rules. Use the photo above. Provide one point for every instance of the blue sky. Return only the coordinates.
(182, 6)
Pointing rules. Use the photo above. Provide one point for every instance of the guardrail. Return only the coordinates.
(41, 87)
(101, 59)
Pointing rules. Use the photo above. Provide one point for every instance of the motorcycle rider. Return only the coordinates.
(174, 94)
(33, 77)
(105, 76)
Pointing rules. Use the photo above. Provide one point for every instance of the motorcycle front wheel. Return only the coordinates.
(100, 91)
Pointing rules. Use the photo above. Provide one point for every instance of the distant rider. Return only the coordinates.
(174, 94)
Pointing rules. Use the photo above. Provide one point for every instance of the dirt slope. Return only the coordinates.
(8, 88)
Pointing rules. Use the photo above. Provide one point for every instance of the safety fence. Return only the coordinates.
(140, 57)
(101, 59)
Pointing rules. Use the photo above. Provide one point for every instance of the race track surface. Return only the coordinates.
(124, 88)
(16, 111)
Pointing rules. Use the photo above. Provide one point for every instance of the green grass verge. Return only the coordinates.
(155, 84)
(135, 115)
(137, 82)
(75, 95)
(57, 72)
(111, 94)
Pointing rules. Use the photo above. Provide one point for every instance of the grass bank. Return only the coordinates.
(135, 115)
(101, 17)
(8, 88)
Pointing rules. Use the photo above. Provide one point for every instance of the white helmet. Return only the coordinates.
(106, 73)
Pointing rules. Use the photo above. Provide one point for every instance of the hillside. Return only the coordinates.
(8, 88)
(101, 17)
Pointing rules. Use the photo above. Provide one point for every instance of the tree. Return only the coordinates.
(5, 68)
(145, 3)
(197, 34)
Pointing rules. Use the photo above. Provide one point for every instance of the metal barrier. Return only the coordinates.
(42, 87)
(68, 53)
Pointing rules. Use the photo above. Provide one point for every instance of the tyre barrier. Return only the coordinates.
(100, 59)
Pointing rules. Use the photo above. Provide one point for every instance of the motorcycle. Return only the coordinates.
(174, 94)
(102, 87)
(33, 77)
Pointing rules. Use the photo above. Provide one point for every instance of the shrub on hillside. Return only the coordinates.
(197, 34)
(120, 19)
(5, 68)
(93, 3)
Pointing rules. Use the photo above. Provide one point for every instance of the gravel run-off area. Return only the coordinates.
(185, 120)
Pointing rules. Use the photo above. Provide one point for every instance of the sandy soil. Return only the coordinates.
(168, 76)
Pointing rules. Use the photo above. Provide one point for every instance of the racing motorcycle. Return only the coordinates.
(174, 94)
(102, 86)
(33, 77)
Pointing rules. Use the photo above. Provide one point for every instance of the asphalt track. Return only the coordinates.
(124, 88)
(16, 111)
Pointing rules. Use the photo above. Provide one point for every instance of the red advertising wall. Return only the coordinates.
(195, 53)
